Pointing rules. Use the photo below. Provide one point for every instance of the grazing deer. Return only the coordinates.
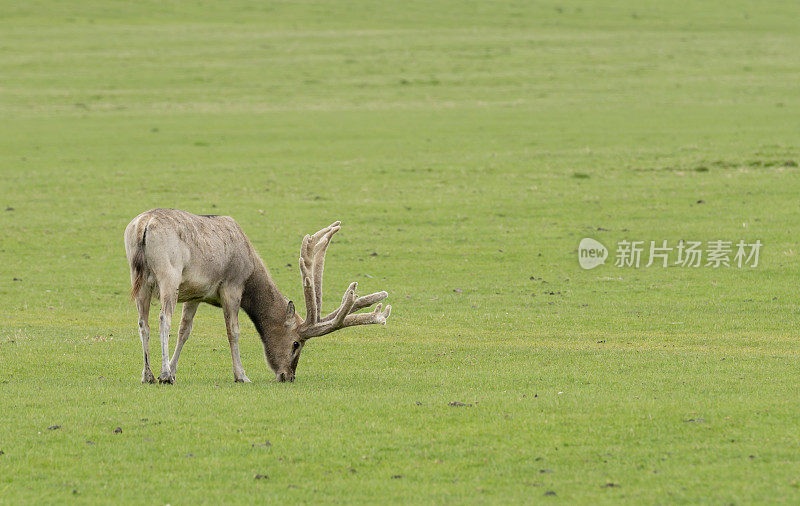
(182, 257)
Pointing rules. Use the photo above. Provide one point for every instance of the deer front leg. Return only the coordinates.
(189, 310)
(143, 307)
(168, 301)
(231, 312)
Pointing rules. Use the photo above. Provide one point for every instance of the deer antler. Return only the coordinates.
(312, 265)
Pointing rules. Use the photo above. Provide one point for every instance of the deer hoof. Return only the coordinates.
(243, 379)
(147, 376)
(166, 378)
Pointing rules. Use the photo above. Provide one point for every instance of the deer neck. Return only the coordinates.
(263, 302)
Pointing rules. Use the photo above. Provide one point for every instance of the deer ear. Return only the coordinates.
(290, 315)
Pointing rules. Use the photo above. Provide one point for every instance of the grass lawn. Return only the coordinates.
(467, 148)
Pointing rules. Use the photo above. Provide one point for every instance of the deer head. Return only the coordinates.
(298, 331)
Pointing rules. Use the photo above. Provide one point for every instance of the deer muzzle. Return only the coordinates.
(284, 376)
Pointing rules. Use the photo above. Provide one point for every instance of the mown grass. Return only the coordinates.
(471, 146)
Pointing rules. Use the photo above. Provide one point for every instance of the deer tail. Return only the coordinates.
(138, 265)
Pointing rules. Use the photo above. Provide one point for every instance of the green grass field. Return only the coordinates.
(471, 145)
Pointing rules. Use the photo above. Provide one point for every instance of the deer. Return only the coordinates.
(176, 256)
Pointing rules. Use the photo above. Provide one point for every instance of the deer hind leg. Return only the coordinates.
(168, 291)
(143, 307)
(189, 310)
(230, 308)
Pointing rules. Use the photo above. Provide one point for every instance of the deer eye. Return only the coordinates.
(295, 345)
